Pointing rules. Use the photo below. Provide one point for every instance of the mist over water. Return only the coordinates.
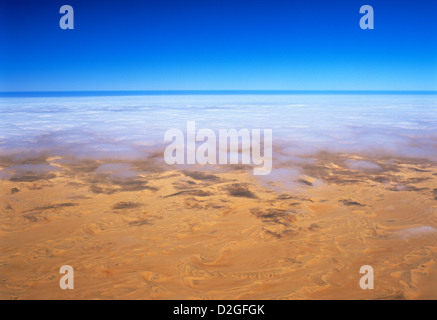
(130, 127)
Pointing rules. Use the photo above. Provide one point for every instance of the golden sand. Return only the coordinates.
(171, 233)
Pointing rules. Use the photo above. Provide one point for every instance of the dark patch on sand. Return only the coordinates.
(277, 216)
(351, 203)
(198, 175)
(104, 190)
(215, 206)
(313, 226)
(34, 218)
(76, 184)
(197, 193)
(238, 190)
(417, 180)
(293, 204)
(107, 185)
(36, 187)
(140, 222)
(29, 177)
(285, 197)
(434, 193)
(126, 205)
(133, 185)
(380, 179)
(193, 203)
(305, 182)
(184, 184)
(272, 233)
(290, 197)
(15, 190)
(418, 170)
(340, 181)
(54, 206)
(407, 188)
(240, 167)
(80, 196)
(289, 232)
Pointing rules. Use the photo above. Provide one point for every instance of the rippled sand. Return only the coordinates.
(141, 231)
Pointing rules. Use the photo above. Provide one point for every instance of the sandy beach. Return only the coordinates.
(218, 233)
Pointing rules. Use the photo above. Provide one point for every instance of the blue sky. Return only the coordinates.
(218, 45)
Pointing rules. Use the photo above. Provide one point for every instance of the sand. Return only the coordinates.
(140, 230)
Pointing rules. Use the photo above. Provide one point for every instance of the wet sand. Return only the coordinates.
(139, 230)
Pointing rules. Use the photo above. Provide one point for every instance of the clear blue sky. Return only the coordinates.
(218, 45)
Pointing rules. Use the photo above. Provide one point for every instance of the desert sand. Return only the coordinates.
(140, 230)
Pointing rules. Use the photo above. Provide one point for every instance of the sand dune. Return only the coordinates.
(138, 230)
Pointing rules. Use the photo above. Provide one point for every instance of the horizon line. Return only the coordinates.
(66, 93)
